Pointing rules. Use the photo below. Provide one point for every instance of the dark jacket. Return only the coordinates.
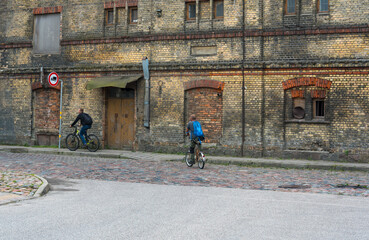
(85, 119)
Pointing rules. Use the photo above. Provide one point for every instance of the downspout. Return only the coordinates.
(262, 130)
(243, 79)
(145, 65)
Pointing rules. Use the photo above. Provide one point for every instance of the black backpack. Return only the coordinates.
(88, 119)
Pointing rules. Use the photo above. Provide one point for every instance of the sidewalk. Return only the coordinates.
(254, 162)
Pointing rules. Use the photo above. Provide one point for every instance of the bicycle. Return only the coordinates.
(73, 141)
(199, 156)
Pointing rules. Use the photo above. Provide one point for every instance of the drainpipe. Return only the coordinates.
(145, 65)
(243, 79)
(41, 74)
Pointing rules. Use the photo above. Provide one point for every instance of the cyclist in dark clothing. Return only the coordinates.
(86, 122)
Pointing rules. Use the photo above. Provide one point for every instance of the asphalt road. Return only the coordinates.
(92, 209)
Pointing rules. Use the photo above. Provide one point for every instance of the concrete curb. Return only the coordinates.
(293, 164)
(43, 189)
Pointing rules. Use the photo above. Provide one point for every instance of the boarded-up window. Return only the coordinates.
(46, 38)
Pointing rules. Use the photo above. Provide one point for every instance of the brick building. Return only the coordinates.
(282, 78)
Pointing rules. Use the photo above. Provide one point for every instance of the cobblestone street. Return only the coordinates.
(177, 173)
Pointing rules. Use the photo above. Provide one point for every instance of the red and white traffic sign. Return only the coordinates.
(53, 79)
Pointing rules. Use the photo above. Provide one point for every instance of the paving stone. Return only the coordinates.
(177, 173)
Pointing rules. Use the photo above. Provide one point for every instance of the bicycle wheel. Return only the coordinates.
(187, 159)
(72, 142)
(201, 160)
(93, 143)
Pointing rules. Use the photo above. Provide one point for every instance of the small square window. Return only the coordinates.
(191, 11)
(133, 15)
(109, 17)
(219, 9)
(318, 108)
(323, 5)
(290, 7)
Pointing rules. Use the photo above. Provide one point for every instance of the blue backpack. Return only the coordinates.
(197, 130)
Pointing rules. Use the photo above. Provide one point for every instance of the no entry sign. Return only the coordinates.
(53, 79)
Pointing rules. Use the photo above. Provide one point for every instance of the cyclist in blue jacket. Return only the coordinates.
(194, 139)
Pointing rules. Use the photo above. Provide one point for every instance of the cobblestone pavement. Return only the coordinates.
(177, 173)
(19, 183)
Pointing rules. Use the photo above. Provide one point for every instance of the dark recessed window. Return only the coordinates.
(133, 15)
(191, 11)
(290, 6)
(219, 9)
(319, 108)
(323, 5)
(109, 17)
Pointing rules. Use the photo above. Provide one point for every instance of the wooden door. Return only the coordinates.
(120, 122)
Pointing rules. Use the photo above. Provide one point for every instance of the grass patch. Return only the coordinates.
(44, 146)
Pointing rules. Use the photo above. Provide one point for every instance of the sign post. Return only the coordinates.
(53, 80)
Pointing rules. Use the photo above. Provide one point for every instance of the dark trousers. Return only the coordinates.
(83, 133)
(193, 144)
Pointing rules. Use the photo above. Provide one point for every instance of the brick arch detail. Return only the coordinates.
(204, 84)
(37, 85)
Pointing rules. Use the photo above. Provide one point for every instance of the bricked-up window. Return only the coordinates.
(323, 5)
(299, 108)
(290, 6)
(219, 9)
(318, 108)
(191, 11)
(46, 37)
(133, 15)
(109, 17)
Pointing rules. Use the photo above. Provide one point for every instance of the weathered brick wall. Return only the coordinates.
(282, 50)
(16, 112)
